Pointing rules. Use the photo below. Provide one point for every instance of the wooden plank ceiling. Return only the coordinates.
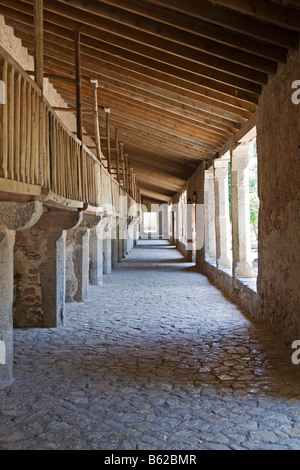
(180, 77)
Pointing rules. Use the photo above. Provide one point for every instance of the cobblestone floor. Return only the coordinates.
(156, 359)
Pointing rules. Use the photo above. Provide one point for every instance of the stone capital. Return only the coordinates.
(58, 220)
(240, 157)
(19, 216)
(89, 221)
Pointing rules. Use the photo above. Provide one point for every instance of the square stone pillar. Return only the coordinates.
(106, 233)
(222, 222)
(120, 246)
(40, 264)
(78, 259)
(241, 239)
(13, 216)
(123, 234)
(130, 238)
(7, 241)
(209, 202)
(115, 243)
(96, 257)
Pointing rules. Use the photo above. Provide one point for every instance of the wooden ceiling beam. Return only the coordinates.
(219, 129)
(152, 131)
(211, 78)
(149, 169)
(172, 121)
(193, 125)
(208, 11)
(156, 196)
(206, 37)
(147, 141)
(154, 188)
(220, 125)
(158, 70)
(268, 11)
(168, 135)
(69, 17)
(177, 169)
(167, 50)
(154, 176)
(141, 113)
(150, 83)
(162, 101)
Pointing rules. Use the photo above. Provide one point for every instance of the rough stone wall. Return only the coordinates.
(27, 311)
(279, 192)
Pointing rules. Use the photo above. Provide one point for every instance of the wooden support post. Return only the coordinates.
(38, 12)
(96, 119)
(117, 156)
(38, 43)
(79, 109)
(134, 187)
(131, 182)
(121, 144)
(126, 172)
(107, 112)
(78, 84)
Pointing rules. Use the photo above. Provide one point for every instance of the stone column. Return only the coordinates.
(106, 240)
(78, 260)
(241, 240)
(120, 242)
(125, 237)
(222, 212)
(96, 257)
(40, 262)
(130, 237)
(115, 243)
(209, 202)
(13, 216)
(135, 232)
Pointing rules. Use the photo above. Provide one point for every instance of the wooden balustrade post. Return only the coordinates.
(79, 109)
(96, 119)
(107, 112)
(126, 171)
(117, 156)
(38, 8)
(38, 43)
(121, 144)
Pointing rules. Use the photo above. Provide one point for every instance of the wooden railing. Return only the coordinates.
(37, 149)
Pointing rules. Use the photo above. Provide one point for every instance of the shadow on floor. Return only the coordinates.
(227, 364)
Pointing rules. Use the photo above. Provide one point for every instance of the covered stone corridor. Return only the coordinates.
(157, 358)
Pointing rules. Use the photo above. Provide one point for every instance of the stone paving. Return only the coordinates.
(157, 359)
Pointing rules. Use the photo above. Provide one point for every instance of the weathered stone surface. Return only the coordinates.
(19, 216)
(96, 258)
(279, 192)
(78, 258)
(13, 216)
(240, 212)
(222, 212)
(6, 289)
(40, 264)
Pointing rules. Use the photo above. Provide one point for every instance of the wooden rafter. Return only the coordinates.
(181, 78)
